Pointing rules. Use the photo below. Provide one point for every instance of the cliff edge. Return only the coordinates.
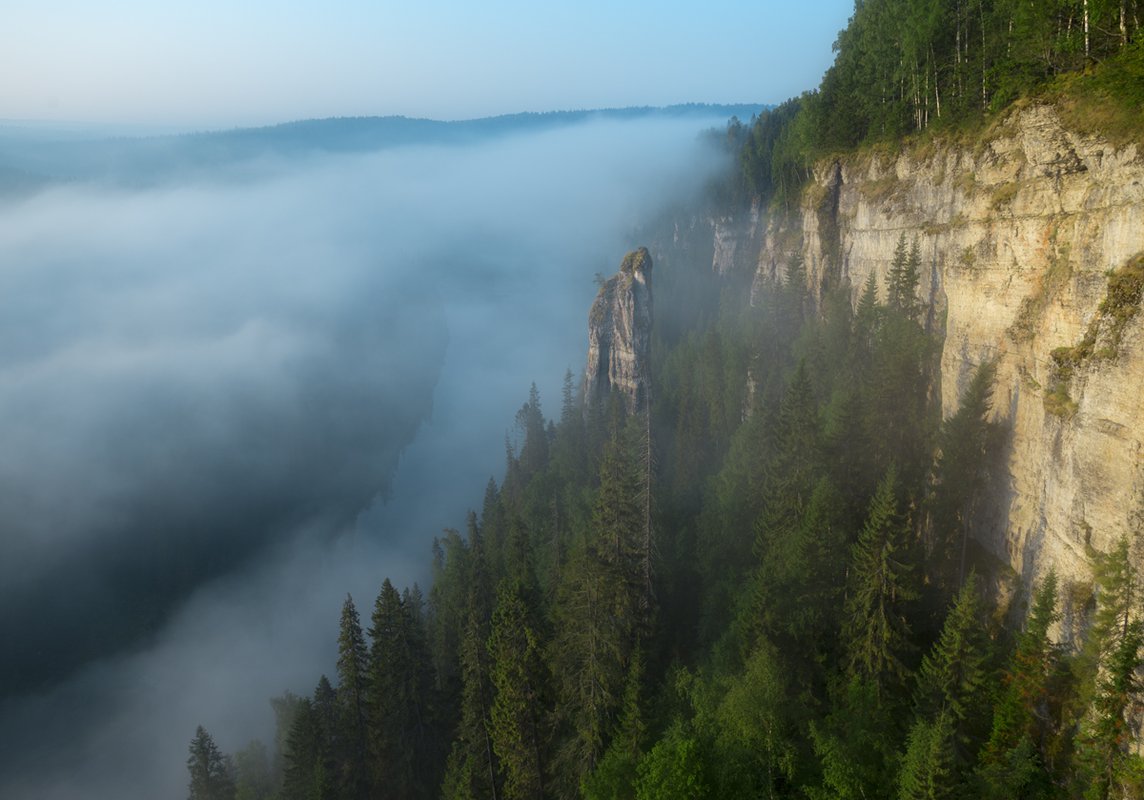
(1031, 240)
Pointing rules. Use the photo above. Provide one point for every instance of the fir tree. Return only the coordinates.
(791, 473)
(534, 450)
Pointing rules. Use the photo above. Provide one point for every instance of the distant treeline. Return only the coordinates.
(29, 161)
(905, 66)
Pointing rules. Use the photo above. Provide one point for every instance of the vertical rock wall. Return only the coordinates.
(619, 335)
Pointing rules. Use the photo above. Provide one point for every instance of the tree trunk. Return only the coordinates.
(1086, 50)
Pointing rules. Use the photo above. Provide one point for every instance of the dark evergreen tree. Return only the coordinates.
(253, 777)
(882, 584)
(530, 421)
(856, 744)
(310, 772)
(211, 777)
(962, 475)
(927, 766)
(953, 679)
(400, 679)
(519, 724)
(473, 771)
(352, 700)
(1104, 741)
(1021, 713)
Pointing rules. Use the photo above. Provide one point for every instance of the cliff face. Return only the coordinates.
(1029, 241)
(619, 334)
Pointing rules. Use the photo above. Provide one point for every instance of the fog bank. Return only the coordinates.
(205, 382)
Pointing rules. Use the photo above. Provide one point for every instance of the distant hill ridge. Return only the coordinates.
(32, 159)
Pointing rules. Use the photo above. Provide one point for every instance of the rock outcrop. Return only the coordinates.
(1030, 241)
(619, 335)
(734, 241)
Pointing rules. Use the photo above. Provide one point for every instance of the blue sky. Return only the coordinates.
(224, 63)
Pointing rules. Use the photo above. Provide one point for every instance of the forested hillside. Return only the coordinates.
(759, 580)
(764, 589)
(908, 66)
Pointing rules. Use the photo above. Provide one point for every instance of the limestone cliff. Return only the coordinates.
(619, 334)
(1030, 238)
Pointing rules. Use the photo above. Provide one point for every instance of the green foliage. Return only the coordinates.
(614, 777)
(673, 770)
(310, 771)
(855, 744)
(1104, 740)
(927, 765)
(1017, 773)
(400, 698)
(953, 680)
(519, 725)
(906, 66)
(968, 441)
(881, 585)
(752, 729)
(352, 698)
(743, 619)
(254, 779)
(1020, 714)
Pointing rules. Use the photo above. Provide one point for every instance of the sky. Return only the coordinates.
(216, 63)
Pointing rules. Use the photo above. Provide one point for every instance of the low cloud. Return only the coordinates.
(203, 384)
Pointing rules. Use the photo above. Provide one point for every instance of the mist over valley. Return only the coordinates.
(237, 383)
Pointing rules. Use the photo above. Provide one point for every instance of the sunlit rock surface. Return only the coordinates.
(619, 334)
(1020, 233)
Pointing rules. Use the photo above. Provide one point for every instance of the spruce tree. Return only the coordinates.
(211, 777)
(1019, 714)
(519, 725)
(882, 584)
(1104, 741)
(897, 280)
(254, 779)
(927, 765)
(390, 703)
(352, 697)
(962, 475)
(791, 474)
(309, 763)
(473, 771)
(534, 450)
(954, 678)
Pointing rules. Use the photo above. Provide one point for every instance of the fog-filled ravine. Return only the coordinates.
(236, 386)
